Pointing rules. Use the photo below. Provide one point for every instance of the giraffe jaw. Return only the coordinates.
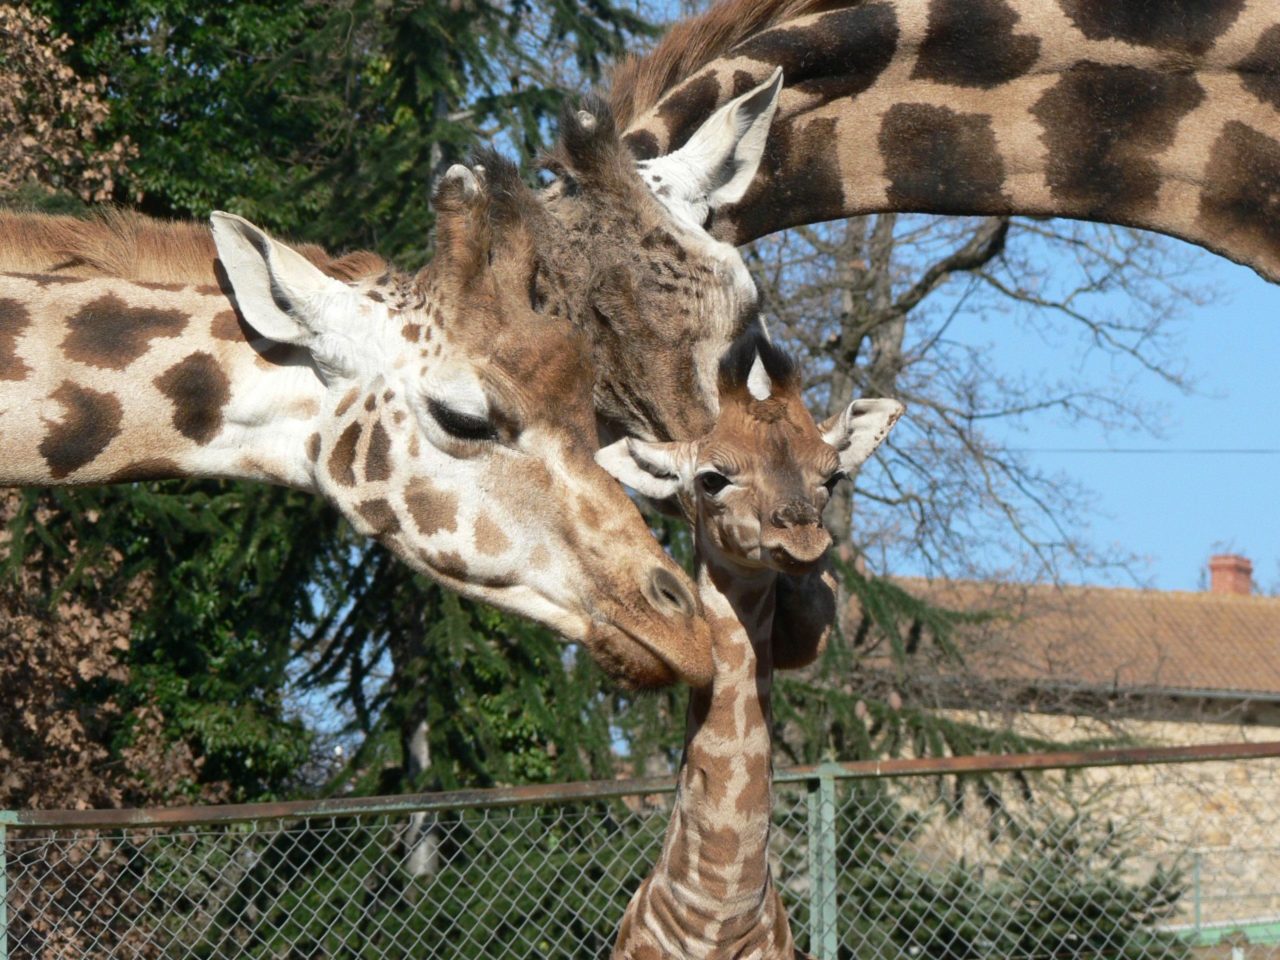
(638, 664)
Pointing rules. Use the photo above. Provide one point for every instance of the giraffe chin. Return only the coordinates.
(635, 663)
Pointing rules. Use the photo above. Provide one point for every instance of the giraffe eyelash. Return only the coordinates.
(461, 426)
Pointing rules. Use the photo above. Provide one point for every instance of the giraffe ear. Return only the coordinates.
(858, 429)
(281, 293)
(651, 469)
(717, 164)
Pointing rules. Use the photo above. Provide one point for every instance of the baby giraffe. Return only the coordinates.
(755, 487)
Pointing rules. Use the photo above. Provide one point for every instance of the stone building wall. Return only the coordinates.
(1219, 821)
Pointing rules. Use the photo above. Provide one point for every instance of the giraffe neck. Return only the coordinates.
(107, 380)
(1162, 116)
(711, 893)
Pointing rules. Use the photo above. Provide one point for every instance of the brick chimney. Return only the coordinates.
(1231, 574)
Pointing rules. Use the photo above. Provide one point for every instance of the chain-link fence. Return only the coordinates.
(1141, 855)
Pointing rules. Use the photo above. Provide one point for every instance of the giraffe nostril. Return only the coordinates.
(668, 595)
(798, 513)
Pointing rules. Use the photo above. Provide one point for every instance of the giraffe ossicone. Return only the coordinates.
(755, 487)
(436, 411)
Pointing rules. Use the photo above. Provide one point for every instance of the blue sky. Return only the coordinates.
(1176, 507)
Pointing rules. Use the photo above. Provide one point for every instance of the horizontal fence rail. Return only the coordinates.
(1134, 854)
(497, 797)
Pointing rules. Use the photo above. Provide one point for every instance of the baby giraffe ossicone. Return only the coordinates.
(755, 487)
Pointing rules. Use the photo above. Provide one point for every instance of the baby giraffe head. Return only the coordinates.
(756, 485)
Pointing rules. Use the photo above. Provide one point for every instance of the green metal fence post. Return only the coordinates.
(823, 936)
(4, 892)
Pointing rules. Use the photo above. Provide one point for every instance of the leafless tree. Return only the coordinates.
(915, 307)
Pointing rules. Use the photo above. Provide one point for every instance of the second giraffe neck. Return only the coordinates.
(711, 894)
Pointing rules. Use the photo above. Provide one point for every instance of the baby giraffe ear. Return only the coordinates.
(651, 469)
(858, 429)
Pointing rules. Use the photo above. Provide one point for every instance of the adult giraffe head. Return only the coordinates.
(627, 258)
(456, 427)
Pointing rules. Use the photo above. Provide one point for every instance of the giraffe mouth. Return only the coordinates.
(634, 661)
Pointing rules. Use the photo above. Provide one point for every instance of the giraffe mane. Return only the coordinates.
(130, 246)
(639, 82)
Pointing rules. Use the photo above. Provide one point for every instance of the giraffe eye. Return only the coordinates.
(712, 482)
(461, 426)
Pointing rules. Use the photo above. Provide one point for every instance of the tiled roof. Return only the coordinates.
(1121, 640)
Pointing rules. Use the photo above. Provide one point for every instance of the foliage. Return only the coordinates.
(216, 583)
(66, 619)
(49, 116)
(1055, 883)
(327, 120)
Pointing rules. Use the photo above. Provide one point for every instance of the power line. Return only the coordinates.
(1179, 451)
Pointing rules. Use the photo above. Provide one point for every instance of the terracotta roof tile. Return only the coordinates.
(1114, 639)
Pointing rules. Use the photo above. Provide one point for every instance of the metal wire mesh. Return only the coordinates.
(1137, 863)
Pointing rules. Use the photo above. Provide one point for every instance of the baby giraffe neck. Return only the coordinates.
(711, 894)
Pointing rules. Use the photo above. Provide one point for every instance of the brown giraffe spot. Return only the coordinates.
(313, 447)
(411, 332)
(210, 290)
(540, 558)
(1260, 70)
(226, 325)
(345, 403)
(1102, 125)
(91, 421)
(342, 459)
(679, 860)
(758, 771)
(1242, 200)
(432, 510)
(377, 459)
(153, 468)
(643, 144)
(941, 161)
(370, 402)
(110, 334)
(685, 109)
(388, 395)
(379, 515)
(1184, 26)
(490, 539)
(14, 318)
(840, 54)
(721, 848)
(971, 43)
(375, 296)
(801, 182)
(450, 563)
(198, 390)
(156, 285)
